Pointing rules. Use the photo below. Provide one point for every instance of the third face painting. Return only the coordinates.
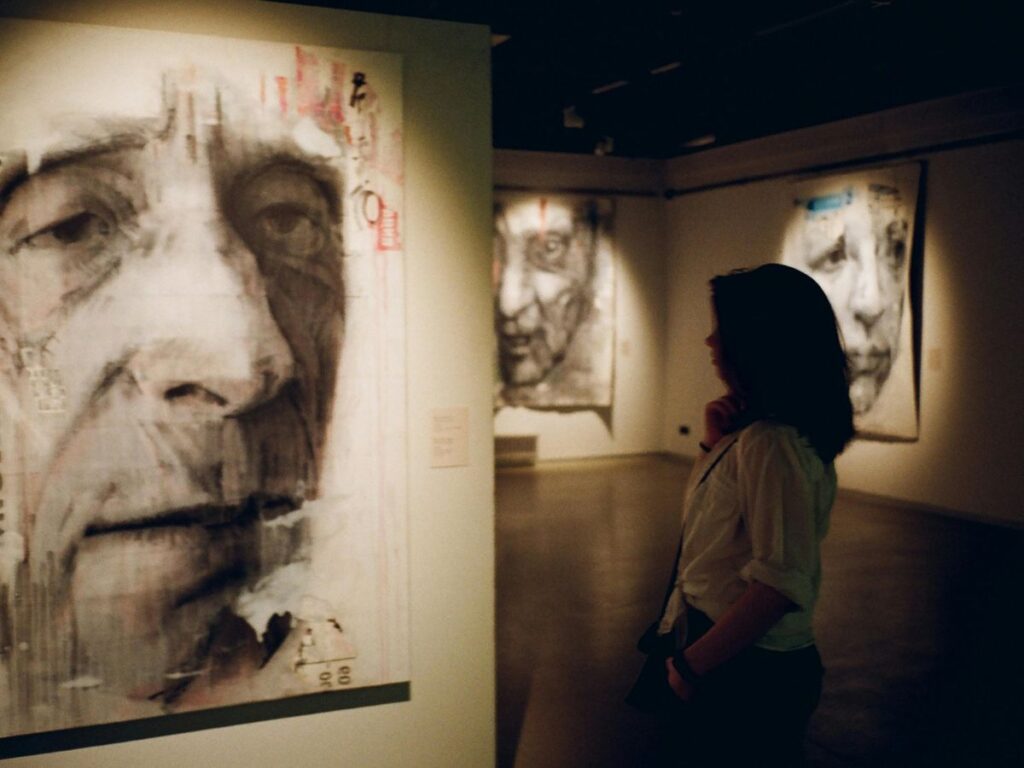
(854, 234)
(554, 290)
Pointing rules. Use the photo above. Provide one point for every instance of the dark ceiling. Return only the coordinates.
(665, 78)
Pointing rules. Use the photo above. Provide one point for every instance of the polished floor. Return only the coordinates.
(918, 624)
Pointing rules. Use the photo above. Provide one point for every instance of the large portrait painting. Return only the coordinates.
(202, 499)
(554, 301)
(854, 233)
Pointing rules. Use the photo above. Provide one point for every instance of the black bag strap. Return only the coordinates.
(679, 550)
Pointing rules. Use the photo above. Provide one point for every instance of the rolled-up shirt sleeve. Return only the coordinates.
(777, 504)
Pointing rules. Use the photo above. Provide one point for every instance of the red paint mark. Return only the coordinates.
(335, 108)
(282, 93)
(307, 83)
(387, 229)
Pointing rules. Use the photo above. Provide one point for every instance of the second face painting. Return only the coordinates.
(854, 234)
(554, 301)
(201, 374)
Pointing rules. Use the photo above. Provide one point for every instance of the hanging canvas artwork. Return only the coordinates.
(554, 301)
(201, 375)
(854, 233)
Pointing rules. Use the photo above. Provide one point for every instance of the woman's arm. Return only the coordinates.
(747, 620)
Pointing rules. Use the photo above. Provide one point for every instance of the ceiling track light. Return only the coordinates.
(609, 87)
(666, 67)
(701, 141)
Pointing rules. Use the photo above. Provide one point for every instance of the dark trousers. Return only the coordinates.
(751, 711)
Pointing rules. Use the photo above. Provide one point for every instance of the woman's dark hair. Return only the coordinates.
(780, 346)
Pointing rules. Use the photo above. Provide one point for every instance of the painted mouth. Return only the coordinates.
(517, 345)
(869, 363)
(256, 507)
(187, 554)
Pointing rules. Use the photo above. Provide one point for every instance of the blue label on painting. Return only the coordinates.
(829, 202)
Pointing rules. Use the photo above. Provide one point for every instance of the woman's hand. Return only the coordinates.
(682, 689)
(720, 417)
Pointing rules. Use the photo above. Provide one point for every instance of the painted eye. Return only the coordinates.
(289, 227)
(68, 229)
(896, 245)
(549, 251)
(283, 213)
(833, 259)
(897, 254)
(82, 230)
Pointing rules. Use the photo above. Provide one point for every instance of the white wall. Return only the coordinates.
(633, 423)
(450, 719)
(968, 457)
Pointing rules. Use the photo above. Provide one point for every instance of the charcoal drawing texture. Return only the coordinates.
(854, 233)
(554, 301)
(180, 256)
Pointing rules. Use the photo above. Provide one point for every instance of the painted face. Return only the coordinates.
(544, 268)
(856, 248)
(170, 319)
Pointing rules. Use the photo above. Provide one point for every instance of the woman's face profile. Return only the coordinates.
(714, 343)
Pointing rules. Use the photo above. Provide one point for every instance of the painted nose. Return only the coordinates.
(866, 302)
(211, 342)
(214, 344)
(515, 293)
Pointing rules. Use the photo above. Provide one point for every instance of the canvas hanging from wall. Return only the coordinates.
(554, 301)
(201, 375)
(854, 234)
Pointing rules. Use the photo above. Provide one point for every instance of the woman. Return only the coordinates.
(756, 511)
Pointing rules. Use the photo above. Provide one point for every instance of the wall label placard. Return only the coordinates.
(449, 437)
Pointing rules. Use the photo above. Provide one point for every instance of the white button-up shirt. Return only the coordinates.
(759, 515)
